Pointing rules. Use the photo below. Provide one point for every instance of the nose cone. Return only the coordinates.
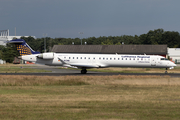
(173, 65)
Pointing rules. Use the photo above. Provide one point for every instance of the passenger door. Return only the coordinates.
(153, 61)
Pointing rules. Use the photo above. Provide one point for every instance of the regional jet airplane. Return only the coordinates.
(86, 61)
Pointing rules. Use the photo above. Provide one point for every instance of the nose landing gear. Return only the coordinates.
(166, 71)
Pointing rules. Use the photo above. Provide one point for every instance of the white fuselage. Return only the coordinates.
(100, 60)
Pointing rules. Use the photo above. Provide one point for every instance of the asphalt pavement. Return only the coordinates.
(57, 71)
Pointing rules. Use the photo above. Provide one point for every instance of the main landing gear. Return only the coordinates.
(83, 71)
(166, 71)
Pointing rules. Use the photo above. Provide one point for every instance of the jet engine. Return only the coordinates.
(46, 56)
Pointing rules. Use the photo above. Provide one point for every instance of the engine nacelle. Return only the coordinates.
(46, 56)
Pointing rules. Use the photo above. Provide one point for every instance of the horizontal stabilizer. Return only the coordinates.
(16, 41)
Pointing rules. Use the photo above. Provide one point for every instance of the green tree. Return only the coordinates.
(172, 39)
(107, 42)
(9, 53)
(2, 47)
(118, 43)
(157, 36)
(154, 37)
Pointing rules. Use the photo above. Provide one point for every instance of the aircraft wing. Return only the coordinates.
(80, 65)
(87, 65)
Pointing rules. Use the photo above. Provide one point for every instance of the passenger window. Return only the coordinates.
(114, 58)
(94, 58)
(118, 59)
(77, 57)
(122, 58)
(164, 59)
(89, 58)
(99, 58)
(103, 58)
(69, 57)
(84, 57)
(110, 58)
(81, 57)
(106, 58)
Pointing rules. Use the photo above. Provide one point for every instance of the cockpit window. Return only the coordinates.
(164, 59)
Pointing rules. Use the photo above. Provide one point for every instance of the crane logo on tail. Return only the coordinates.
(23, 50)
(23, 47)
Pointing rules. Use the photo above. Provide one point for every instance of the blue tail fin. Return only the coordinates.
(23, 47)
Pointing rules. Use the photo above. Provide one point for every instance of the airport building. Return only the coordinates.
(112, 49)
(174, 54)
(4, 37)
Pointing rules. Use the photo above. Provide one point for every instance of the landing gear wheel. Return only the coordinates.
(166, 71)
(83, 71)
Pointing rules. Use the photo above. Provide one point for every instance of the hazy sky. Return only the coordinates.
(66, 18)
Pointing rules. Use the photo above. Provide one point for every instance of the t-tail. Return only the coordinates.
(23, 47)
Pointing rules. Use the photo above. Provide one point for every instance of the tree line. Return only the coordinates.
(153, 37)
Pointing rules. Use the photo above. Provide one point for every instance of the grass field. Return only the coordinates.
(89, 97)
(19, 68)
(136, 70)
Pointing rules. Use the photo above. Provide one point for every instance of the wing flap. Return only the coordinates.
(85, 65)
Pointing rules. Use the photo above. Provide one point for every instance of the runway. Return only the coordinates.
(93, 74)
(56, 71)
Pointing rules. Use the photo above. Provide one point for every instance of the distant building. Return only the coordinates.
(4, 37)
(174, 54)
(112, 49)
(2, 61)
